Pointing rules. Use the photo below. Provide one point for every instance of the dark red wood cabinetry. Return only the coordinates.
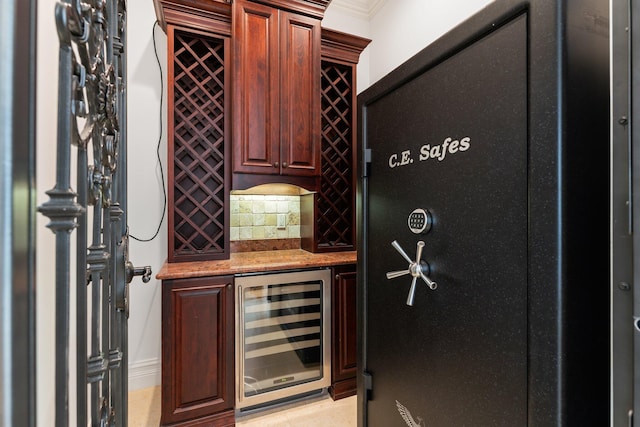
(257, 93)
(198, 351)
(343, 328)
(199, 132)
(257, 79)
(276, 93)
(292, 115)
(328, 217)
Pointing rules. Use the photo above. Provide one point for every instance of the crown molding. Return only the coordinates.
(342, 46)
(365, 9)
(205, 15)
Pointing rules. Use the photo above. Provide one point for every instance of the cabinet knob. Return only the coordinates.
(285, 164)
(276, 164)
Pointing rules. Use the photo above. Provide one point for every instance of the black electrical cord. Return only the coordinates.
(164, 190)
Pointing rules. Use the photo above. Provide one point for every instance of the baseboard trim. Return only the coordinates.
(144, 374)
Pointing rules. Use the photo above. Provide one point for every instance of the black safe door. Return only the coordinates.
(451, 140)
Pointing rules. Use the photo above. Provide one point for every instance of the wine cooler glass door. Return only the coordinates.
(282, 335)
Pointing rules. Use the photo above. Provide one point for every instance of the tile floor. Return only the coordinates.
(144, 411)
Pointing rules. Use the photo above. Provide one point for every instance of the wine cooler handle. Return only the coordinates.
(416, 269)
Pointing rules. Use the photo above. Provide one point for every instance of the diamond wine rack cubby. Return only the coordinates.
(335, 222)
(199, 220)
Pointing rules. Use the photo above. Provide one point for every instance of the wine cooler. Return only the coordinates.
(283, 335)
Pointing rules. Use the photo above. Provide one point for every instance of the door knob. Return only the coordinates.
(132, 271)
(416, 269)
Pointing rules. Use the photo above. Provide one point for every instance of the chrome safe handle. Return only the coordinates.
(416, 269)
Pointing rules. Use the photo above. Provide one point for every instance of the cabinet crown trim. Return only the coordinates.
(207, 15)
(314, 8)
(342, 46)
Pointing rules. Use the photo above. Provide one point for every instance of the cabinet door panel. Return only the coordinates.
(196, 344)
(197, 341)
(256, 88)
(345, 355)
(344, 341)
(300, 95)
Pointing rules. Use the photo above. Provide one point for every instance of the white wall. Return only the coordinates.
(352, 22)
(145, 189)
(46, 102)
(399, 29)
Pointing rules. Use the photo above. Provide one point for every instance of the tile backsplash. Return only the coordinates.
(255, 217)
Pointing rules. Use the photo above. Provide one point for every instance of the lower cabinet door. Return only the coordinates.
(344, 353)
(198, 351)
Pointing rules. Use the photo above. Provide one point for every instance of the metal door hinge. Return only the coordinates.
(367, 155)
(367, 162)
(367, 380)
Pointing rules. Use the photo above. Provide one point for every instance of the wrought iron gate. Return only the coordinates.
(92, 117)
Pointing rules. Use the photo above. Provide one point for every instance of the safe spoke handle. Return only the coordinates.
(417, 269)
(430, 283)
(401, 251)
(394, 274)
(412, 292)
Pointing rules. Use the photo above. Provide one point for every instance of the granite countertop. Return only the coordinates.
(253, 262)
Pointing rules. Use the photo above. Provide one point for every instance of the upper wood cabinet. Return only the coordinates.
(276, 109)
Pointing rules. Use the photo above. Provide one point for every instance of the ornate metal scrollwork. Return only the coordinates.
(92, 117)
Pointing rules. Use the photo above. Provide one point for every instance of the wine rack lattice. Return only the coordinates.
(199, 227)
(335, 199)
